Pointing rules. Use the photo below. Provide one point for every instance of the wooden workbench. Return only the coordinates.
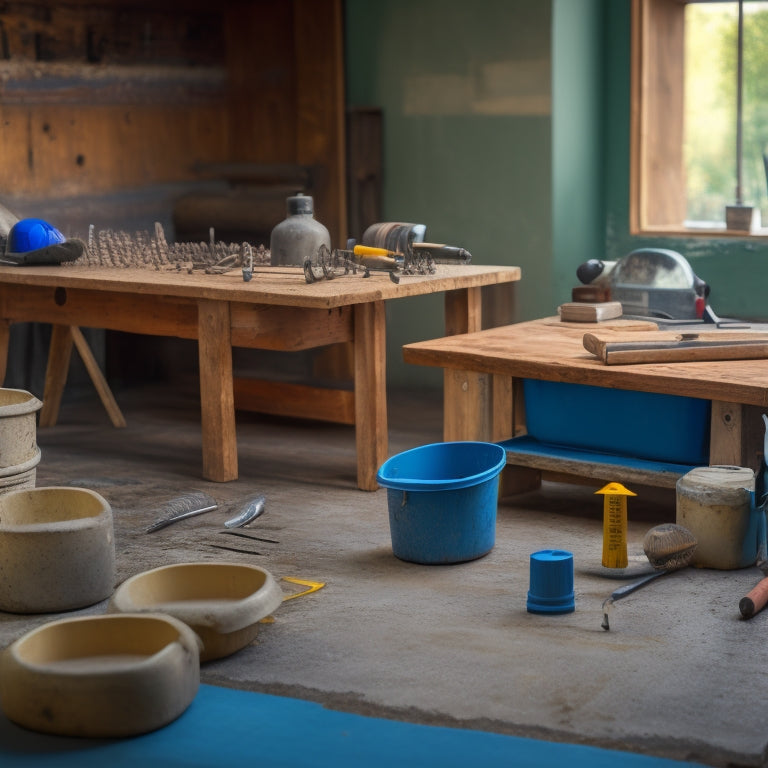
(276, 310)
(483, 400)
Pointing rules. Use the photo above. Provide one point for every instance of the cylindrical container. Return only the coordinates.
(299, 236)
(551, 582)
(18, 430)
(394, 235)
(716, 505)
(442, 501)
(57, 549)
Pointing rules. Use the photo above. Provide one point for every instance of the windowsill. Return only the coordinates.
(708, 231)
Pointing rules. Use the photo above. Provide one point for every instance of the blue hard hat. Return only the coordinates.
(32, 234)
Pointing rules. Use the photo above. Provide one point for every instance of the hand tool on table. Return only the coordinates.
(668, 547)
(671, 346)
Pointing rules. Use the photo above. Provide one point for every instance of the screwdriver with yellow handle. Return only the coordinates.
(369, 250)
(376, 258)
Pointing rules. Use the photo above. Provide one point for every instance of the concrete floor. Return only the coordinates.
(679, 674)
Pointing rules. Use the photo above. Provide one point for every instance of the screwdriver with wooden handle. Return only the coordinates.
(755, 600)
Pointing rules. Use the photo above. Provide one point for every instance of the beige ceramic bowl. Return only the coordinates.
(57, 549)
(100, 676)
(222, 602)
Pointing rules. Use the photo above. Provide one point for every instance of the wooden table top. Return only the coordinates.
(270, 285)
(553, 350)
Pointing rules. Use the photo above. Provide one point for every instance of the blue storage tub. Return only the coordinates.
(643, 425)
(442, 501)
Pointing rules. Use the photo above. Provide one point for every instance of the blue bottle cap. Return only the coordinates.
(32, 234)
(551, 582)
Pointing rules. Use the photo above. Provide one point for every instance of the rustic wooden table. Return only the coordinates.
(483, 369)
(276, 310)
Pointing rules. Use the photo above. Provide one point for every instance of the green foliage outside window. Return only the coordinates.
(710, 108)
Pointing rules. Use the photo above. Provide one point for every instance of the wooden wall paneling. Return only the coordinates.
(262, 87)
(320, 113)
(59, 151)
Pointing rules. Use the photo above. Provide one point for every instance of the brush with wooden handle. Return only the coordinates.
(755, 600)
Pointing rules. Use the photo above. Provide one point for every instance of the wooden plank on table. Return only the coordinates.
(300, 401)
(284, 286)
(673, 346)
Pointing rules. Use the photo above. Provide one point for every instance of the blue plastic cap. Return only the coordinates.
(551, 583)
(32, 234)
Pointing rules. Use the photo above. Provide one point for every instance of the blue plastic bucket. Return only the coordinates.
(442, 501)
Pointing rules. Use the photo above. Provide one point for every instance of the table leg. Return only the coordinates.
(98, 378)
(217, 403)
(736, 435)
(371, 435)
(477, 406)
(5, 337)
(59, 356)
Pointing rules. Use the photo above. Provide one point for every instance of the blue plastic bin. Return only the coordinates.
(442, 501)
(643, 425)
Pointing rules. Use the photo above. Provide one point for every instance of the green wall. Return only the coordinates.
(465, 90)
(577, 139)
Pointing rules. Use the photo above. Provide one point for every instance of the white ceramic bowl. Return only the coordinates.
(100, 676)
(57, 549)
(223, 602)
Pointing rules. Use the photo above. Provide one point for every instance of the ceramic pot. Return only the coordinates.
(57, 549)
(18, 428)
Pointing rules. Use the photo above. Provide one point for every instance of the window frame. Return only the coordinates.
(657, 195)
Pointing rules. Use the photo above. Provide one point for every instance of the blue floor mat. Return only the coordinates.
(232, 728)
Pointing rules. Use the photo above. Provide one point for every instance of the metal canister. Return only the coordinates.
(716, 504)
(299, 236)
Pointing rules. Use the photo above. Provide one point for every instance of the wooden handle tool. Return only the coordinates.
(369, 250)
(674, 347)
(755, 600)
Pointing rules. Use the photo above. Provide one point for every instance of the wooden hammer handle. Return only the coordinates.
(755, 600)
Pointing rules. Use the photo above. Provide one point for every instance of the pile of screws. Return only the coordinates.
(110, 248)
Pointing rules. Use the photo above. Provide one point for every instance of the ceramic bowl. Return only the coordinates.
(100, 676)
(57, 549)
(222, 602)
